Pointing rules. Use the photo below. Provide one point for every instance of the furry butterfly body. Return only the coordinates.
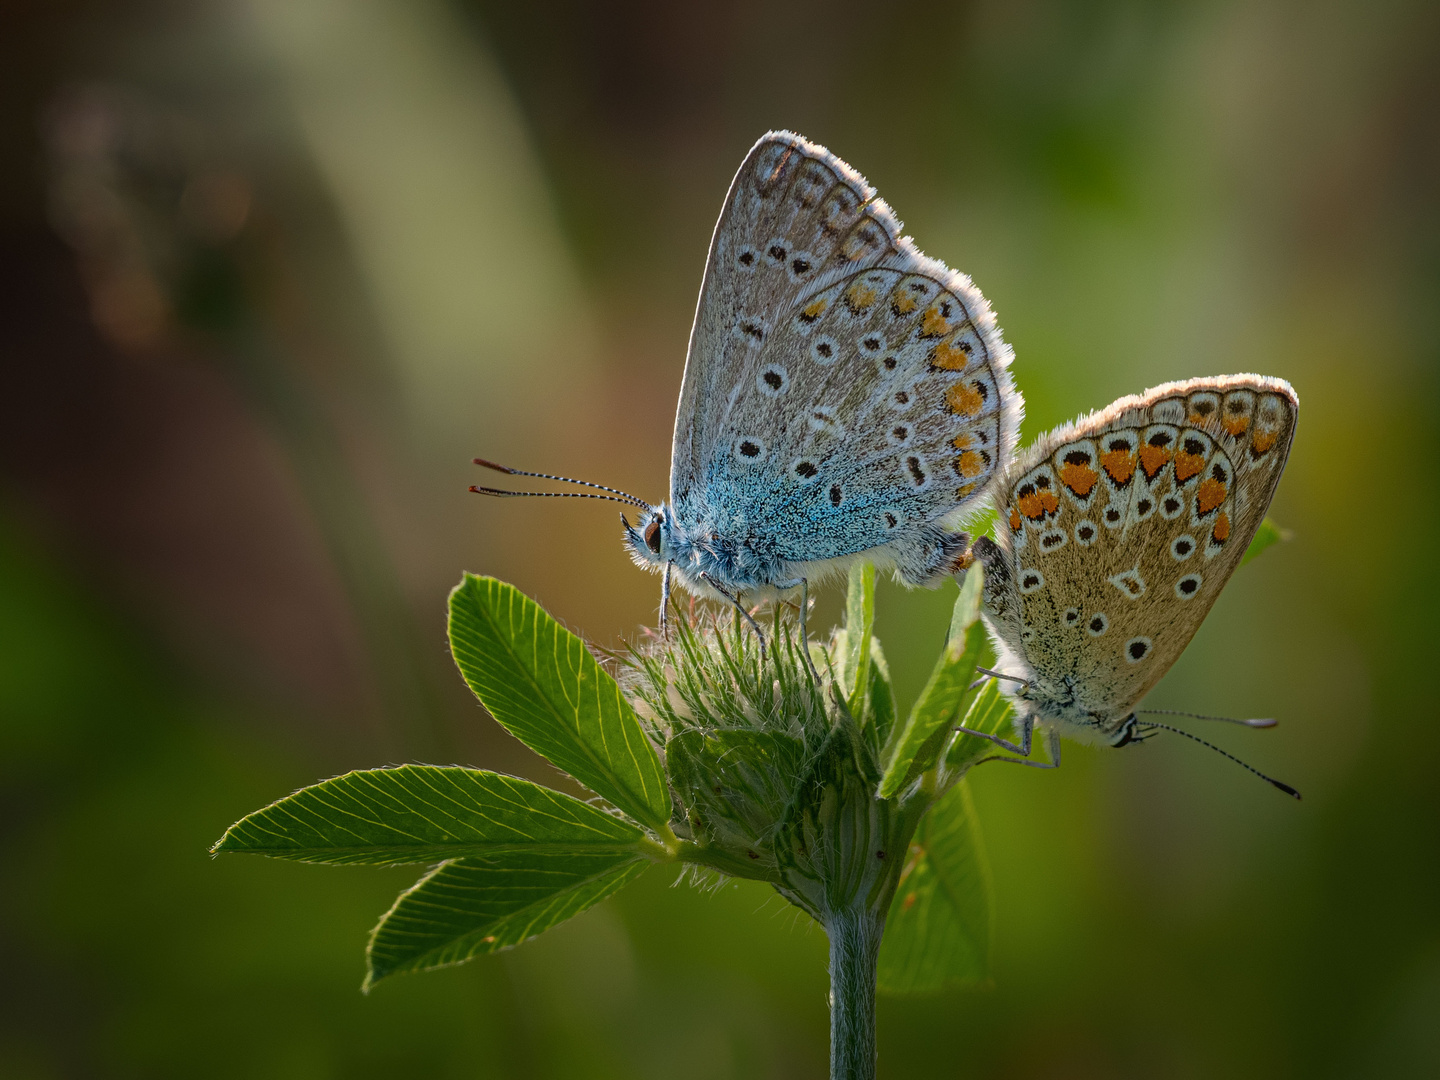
(1115, 535)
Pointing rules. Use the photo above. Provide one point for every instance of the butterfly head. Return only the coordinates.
(651, 539)
(1127, 732)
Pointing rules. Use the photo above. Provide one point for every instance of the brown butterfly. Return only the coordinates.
(1115, 535)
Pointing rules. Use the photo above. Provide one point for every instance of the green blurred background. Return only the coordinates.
(273, 271)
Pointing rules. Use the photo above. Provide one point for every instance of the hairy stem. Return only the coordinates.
(854, 947)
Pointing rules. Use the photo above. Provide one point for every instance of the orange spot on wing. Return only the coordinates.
(961, 442)
(1036, 505)
(970, 463)
(1014, 521)
(860, 296)
(1221, 532)
(1153, 459)
(1236, 423)
(1187, 465)
(932, 323)
(966, 491)
(949, 357)
(964, 400)
(1119, 465)
(1262, 441)
(815, 310)
(1210, 495)
(903, 304)
(1079, 478)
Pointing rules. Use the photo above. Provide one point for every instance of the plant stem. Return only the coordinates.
(854, 948)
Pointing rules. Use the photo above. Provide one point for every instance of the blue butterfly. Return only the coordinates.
(844, 396)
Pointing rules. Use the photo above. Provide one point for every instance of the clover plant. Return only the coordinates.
(704, 751)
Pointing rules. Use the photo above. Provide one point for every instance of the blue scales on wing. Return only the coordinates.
(843, 392)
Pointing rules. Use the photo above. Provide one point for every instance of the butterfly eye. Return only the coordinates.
(652, 536)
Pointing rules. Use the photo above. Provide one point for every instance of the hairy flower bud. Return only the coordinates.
(771, 775)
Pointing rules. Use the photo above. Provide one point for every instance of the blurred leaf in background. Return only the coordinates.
(273, 274)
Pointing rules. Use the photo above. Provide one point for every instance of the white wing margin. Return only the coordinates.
(797, 222)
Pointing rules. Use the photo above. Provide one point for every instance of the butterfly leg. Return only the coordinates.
(1052, 744)
(759, 634)
(1027, 727)
(804, 584)
(665, 598)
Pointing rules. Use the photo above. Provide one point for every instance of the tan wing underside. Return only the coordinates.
(806, 257)
(1138, 515)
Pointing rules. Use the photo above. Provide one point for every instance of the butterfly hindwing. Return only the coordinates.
(843, 391)
(1119, 531)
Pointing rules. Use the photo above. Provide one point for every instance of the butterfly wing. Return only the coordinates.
(837, 377)
(1119, 531)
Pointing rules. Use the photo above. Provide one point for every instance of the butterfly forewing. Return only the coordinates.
(1120, 530)
(791, 207)
(837, 376)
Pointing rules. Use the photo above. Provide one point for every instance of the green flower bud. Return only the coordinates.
(771, 776)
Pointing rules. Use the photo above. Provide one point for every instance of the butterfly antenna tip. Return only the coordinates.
(1256, 722)
(1152, 725)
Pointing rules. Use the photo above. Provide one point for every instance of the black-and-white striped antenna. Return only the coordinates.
(616, 495)
(1150, 725)
(1257, 722)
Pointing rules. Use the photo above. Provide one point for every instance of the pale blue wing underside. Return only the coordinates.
(842, 390)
